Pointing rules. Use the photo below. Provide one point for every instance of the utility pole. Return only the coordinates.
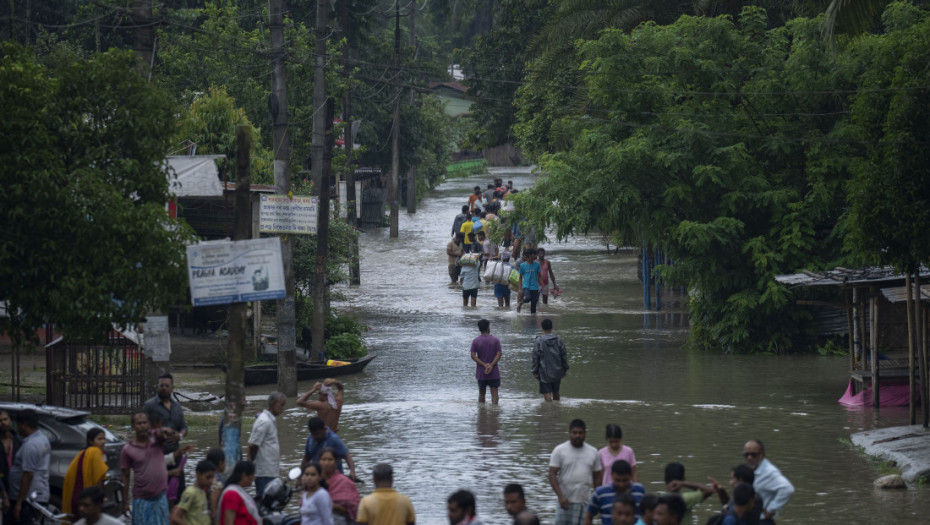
(395, 129)
(320, 159)
(235, 348)
(350, 196)
(412, 171)
(277, 105)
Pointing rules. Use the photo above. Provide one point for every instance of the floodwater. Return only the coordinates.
(416, 405)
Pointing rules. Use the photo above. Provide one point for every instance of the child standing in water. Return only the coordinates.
(545, 272)
(616, 450)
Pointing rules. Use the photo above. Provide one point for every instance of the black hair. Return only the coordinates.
(743, 493)
(547, 324)
(744, 473)
(483, 214)
(94, 494)
(529, 251)
(315, 424)
(515, 488)
(624, 498)
(476, 211)
(383, 472)
(242, 468)
(29, 418)
(613, 431)
(464, 208)
(132, 418)
(167, 375)
(675, 504)
(477, 188)
(92, 435)
(577, 423)
(205, 465)
(648, 502)
(465, 501)
(216, 455)
(319, 470)
(490, 186)
(484, 325)
(155, 419)
(674, 471)
(621, 468)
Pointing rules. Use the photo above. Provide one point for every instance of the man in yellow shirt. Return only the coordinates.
(385, 506)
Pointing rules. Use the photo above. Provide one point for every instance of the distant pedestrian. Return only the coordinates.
(459, 219)
(514, 499)
(502, 291)
(546, 275)
(194, 507)
(475, 196)
(320, 439)
(30, 470)
(171, 412)
(264, 447)
(770, 483)
(328, 405)
(529, 280)
(470, 281)
(90, 506)
(454, 251)
(461, 509)
(486, 352)
(574, 468)
(87, 469)
(316, 506)
(385, 506)
(488, 194)
(143, 456)
(616, 450)
(550, 362)
(468, 235)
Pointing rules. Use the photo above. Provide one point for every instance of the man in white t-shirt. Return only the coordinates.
(264, 449)
(90, 503)
(574, 469)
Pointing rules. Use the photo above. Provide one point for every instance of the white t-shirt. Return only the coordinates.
(576, 470)
(105, 519)
(265, 435)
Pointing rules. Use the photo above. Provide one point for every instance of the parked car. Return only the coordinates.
(66, 430)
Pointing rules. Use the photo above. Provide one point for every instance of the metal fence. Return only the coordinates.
(105, 378)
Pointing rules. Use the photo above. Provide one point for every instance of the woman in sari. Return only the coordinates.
(236, 506)
(87, 469)
(341, 489)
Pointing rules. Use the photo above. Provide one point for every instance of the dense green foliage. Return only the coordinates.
(86, 240)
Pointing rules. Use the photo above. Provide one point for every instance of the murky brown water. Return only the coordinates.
(415, 405)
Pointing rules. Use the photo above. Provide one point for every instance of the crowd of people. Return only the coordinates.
(470, 250)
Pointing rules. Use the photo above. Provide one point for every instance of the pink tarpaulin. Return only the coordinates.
(888, 396)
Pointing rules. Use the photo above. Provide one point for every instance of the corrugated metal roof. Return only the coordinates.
(197, 176)
(845, 276)
(898, 294)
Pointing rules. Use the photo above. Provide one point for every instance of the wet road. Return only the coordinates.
(415, 405)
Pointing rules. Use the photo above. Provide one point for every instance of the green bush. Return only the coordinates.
(345, 346)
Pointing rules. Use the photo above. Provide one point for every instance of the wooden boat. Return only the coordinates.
(268, 374)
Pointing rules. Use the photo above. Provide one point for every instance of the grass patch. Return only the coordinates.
(200, 422)
(882, 467)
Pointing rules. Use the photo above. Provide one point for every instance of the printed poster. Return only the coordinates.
(223, 272)
(288, 215)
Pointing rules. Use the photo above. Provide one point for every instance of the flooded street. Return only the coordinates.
(416, 405)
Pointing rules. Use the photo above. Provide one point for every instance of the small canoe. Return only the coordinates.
(268, 374)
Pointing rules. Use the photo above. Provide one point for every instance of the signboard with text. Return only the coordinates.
(223, 272)
(283, 214)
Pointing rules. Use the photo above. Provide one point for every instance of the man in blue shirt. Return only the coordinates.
(621, 475)
(322, 438)
(529, 280)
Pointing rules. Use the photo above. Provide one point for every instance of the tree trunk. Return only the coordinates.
(912, 398)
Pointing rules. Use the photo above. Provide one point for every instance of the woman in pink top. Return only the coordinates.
(615, 450)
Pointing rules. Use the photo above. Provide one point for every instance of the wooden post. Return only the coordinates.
(850, 331)
(873, 344)
(412, 170)
(860, 310)
(393, 190)
(920, 341)
(235, 369)
(912, 408)
(925, 371)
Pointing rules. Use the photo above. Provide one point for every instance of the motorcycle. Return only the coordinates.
(47, 514)
(274, 500)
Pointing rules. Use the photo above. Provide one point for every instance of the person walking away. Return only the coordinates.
(320, 439)
(143, 456)
(488, 194)
(550, 362)
(546, 276)
(90, 506)
(341, 489)
(29, 472)
(236, 506)
(623, 511)
(486, 353)
(616, 450)
(193, 508)
(502, 291)
(602, 502)
(744, 510)
(670, 510)
(87, 469)
(328, 406)
(675, 481)
(514, 499)
(774, 487)
(529, 280)
(461, 509)
(475, 196)
(574, 468)
(459, 219)
(316, 507)
(467, 235)
(455, 250)
(385, 506)
(264, 448)
(470, 281)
